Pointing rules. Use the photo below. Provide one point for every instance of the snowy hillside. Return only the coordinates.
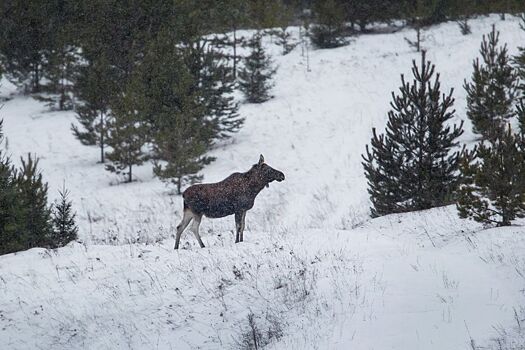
(314, 270)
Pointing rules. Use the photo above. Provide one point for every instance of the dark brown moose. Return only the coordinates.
(234, 195)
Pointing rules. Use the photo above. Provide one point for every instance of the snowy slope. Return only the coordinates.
(312, 265)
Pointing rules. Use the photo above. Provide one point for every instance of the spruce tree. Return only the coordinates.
(24, 41)
(231, 15)
(492, 91)
(127, 133)
(9, 204)
(493, 186)
(34, 225)
(329, 27)
(214, 84)
(65, 229)
(95, 86)
(520, 61)
(413, 166)
(181, 129)
(255, 77)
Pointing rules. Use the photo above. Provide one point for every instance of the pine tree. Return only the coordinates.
(255, 77)
(363, 12)
(179, 97)
(231, 15)
(419, 13)
(95, 86)
(24, 41)
(492, 91)
(9, 204)
(493, 186)
(214, 82)
(520, 61)
(412, 166)
(127, 133)
(65, 229)
(329, 27)
(34, 225)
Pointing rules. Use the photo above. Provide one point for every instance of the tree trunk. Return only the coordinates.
(234, 52)
(102, 159)
(179, 181)
(130, 175)
(36, 82)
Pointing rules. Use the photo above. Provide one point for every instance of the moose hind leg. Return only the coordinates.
(195, 228)
(186, 218)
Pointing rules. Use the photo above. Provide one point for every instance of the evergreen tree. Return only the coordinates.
(182, 129)
(419, 13)
(9, 204)
(328, 31)
(95, 86)
(24, 40)
(126, 132)
(255, 78)
(363, 12)
(520, 61)
(231, 15)
(65, 229)
(493, 186)
(34, 225)
(492, 91)
(412, 166)
(214, 83)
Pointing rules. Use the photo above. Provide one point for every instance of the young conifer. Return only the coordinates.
(328, 30)
(492, 91)
(65, 229)
(493, 185)
(127, 132)
(413, 166)
(255, 78)
(34, 226)
(95, 86)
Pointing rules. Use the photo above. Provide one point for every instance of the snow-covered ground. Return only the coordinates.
(314, 270)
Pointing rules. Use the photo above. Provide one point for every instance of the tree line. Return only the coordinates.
(418, 163)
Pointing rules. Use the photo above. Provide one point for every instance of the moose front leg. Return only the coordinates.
(239, 225)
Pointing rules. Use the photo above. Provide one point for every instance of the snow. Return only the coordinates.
(312, 261)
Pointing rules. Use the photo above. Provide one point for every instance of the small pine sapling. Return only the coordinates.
(255, 79)
(65, 229)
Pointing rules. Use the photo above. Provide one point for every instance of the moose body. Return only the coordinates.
(234, 195)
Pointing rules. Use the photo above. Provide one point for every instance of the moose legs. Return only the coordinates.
(187, 217)
(195, 228)
(240, 218)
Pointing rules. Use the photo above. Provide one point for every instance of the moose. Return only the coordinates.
(234, 195)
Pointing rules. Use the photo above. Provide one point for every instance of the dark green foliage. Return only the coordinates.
(24, 40)
(255, 78)
(329, 28)
(34, 226)
(182, 129)
(412, 166)
(65, 229)
(213, 81)
(9, 204)
(126, 133)
(95, 86)
(520, 61)
(283, 39)
(492, 91)
(364, 12)
(493, 186)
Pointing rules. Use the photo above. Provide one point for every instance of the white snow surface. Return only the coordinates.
(314, 267)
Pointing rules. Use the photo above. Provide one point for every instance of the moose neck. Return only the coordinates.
(255, 182)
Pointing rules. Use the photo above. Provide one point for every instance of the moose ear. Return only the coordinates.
(261, 159)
